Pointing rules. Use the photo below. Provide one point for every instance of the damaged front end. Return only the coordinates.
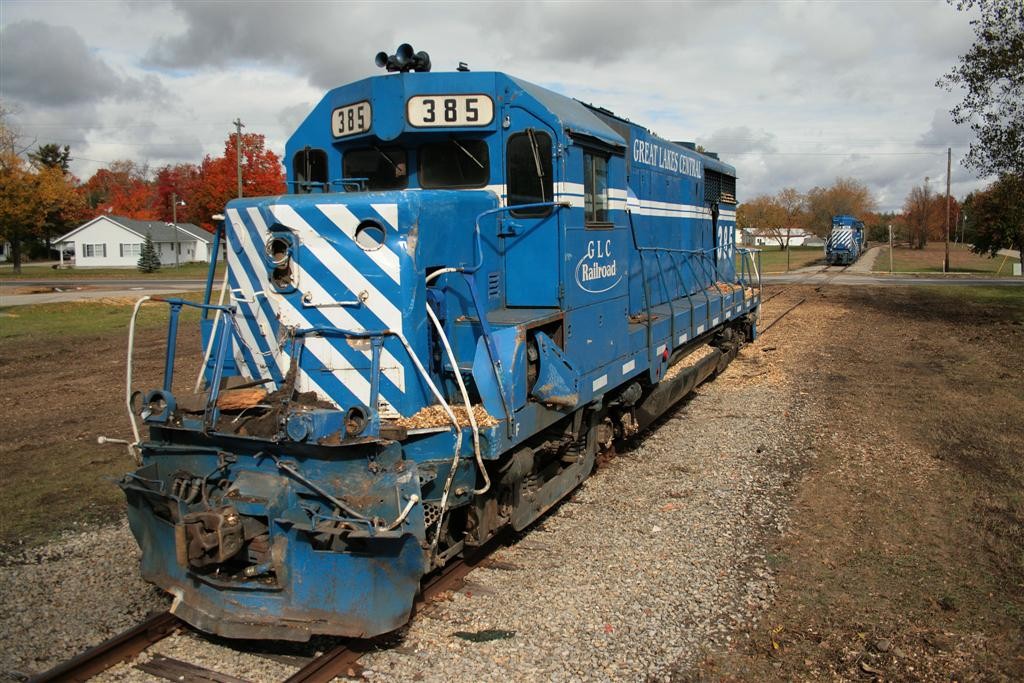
(250, 548)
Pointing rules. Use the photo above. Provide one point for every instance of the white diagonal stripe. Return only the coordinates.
(389, 212)
(342, 319)
(347, 222)
(378, 304)
(262, 283)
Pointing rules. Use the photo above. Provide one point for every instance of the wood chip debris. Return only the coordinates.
(435, 416)
(239, 399)
(689, 361)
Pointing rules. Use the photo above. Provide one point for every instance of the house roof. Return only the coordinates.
(158, 230)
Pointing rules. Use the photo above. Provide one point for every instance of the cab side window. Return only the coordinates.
(529, 172)
(309, 168)
(595, 189)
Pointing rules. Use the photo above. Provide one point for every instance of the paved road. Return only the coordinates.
(833, 278)
(121, 284)
(101, 289)
(64, 291)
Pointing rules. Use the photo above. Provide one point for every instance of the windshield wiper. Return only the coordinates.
(386, 157)
(467, 152)
(535, 148)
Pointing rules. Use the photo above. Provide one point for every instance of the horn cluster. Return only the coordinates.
(403, 60)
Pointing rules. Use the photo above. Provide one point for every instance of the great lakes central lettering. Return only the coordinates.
(653, 154)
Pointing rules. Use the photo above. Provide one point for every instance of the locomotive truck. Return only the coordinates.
(473, 285)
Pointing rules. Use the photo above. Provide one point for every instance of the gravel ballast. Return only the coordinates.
(655, 560)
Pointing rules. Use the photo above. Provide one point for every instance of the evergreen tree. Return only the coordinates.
(149, 260)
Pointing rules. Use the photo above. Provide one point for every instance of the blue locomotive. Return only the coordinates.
(474, 285)
(845, 242)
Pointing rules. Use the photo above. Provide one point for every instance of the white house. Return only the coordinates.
(797, 238)
(116, 241)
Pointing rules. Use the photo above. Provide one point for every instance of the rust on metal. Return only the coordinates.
(120, 648)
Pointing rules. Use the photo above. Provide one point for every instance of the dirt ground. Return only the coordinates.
(61, 388)
(904, 557)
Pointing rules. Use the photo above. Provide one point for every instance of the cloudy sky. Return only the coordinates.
(792, 93)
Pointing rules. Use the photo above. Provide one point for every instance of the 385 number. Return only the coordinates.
(351, 119)
(450, 110)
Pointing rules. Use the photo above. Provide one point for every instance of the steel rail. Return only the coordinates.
(343, 659)
(112, 651)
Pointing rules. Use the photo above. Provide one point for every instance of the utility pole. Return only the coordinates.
(174, 220)
(238, 151)
(175, 202)
(949, 164)
(890, 249)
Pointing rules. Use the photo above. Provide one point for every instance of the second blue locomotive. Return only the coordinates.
(474, 285)
(845, 242)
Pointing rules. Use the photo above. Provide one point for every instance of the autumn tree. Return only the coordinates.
(181, 180)
(69, 213)
(766, 216)
(846, 196)
(27, 195)
(124, 189)
(925, 213)
(262, 174)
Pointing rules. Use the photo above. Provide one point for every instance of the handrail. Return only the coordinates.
(176, 304)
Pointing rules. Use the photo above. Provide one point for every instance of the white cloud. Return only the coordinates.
(798, 93)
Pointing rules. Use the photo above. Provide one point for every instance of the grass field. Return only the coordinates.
(188, 271)
(83, 318)
(774, 260)
(929, 260)
(62, 370)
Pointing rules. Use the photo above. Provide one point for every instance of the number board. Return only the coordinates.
(351, 119)
(429, 111)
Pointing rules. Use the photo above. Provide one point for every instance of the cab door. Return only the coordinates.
(530, 239)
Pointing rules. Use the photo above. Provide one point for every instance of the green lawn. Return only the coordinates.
(929, 260)
(774, 260)
(1003, 302)
(85, 318)
(187, 271)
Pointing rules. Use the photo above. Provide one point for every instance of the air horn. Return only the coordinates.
(403, 60)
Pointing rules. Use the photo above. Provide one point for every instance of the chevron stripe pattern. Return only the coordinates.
(337, 284)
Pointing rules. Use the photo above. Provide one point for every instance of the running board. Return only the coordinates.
(668, 392)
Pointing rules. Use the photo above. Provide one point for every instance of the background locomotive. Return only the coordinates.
(846, 240)
(476, 284)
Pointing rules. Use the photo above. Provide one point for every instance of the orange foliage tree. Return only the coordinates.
(123, 189)
(262, 174)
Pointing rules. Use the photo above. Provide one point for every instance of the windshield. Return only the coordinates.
(454, 163)
(381, 168)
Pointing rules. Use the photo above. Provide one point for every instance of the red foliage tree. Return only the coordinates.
(182, 180)
(123, 190)
(262, 174)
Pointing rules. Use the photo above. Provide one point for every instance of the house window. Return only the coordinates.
(90, 250)
(131, 250)
(529, 172)
(595, 188)
(310, 170)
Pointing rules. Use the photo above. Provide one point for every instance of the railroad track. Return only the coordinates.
(340, 660)
(803, 280)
